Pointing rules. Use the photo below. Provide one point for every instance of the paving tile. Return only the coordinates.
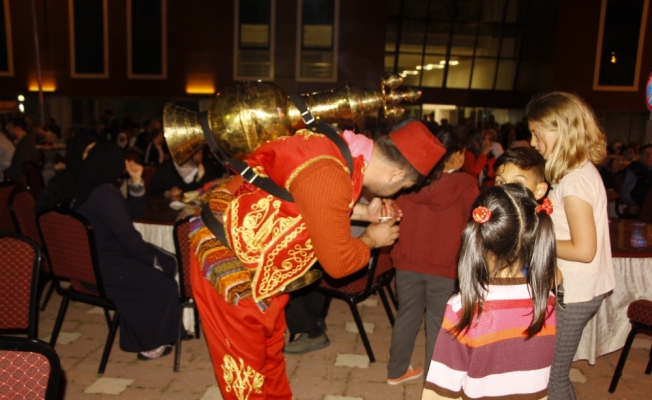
(352, 327)
(352, 361)
(64, 337)
(96, 310)
(212, 393)
(369, 303)
(329, 397)
(109, 386)
(576, 375)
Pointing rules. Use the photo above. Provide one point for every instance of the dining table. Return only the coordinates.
(156, 226)
(631, 251)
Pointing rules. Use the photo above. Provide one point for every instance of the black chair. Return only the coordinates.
(357, 288)
(6, 189)
(73, 257)
(21, 208)
(639, 313)
(30, 369)
(181, 234)
(20, 260)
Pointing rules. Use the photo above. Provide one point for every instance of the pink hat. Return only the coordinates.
(418, 145)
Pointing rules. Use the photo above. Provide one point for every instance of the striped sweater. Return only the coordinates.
(493, 359)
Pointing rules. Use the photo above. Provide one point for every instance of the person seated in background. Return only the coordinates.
(25, 149)
(155, 153)
(138, 277)
(173, 180)
(61, 189)
(7, 150)
(637, 181)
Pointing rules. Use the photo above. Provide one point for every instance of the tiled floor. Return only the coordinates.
(339, 372)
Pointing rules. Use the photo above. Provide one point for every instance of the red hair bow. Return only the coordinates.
(481, 214)
(546, 206)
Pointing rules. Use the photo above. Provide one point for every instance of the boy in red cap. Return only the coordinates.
(239, 285)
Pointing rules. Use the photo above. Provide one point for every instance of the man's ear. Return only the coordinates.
(396, 175)
(540, 191)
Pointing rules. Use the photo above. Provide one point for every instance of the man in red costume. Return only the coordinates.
(239, 286)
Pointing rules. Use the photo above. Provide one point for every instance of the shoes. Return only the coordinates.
(187, 336)
(305, 344)
(156, 353)
(411, 373)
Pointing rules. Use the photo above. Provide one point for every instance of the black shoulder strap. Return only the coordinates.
(323, 128)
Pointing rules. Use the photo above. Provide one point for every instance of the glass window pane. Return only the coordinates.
(468, 11)
(484, 73)
(407, 68)
(463, 39)
(492, 10)
(316, 64)
(255, 11)
(317, 39)
(390, 35)
(4, 49)
(318, 12)
(433, 71)
(513, 10)
(389, 62)
(459, 72)
(252, 62)
(488, 41)
(437, 39)
(89, 36)
(506, 73)
(146, 37)
(254, 42)
(412, 35)
(511, 42)
(254, 35)
(619, 54)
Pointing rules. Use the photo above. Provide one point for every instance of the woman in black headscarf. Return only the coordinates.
(62, 187)
(138, 277)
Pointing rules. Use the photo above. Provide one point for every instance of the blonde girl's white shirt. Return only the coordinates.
(584, 281)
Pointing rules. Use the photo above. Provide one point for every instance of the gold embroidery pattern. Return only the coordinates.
(240, 378)
(260, 171)
(309, 163)
(307, 133)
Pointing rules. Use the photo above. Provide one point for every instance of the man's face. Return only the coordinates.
(646, 156)
(510, 173)
(388, 189)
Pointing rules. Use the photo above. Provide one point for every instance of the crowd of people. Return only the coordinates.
(506, 271)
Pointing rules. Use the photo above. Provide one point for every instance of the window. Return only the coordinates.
(6, 53)
(317, 33)
(620, 45)
(89, 39)
(254, 39)
(147, 39)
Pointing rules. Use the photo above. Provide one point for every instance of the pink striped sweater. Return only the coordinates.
(493, 359)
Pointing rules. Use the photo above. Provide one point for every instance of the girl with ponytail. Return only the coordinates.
(498, 335)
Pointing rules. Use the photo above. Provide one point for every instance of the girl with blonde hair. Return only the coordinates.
(567, 134)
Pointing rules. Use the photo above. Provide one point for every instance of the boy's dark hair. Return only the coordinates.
(450, 138)
(20, 123)
(525, 158)
(516, 236)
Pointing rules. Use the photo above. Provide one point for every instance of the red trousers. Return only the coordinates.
(246, 344)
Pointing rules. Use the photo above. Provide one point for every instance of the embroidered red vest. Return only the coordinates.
(268, 234)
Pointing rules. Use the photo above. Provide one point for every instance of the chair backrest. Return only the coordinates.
(6, 189)
(358, 284)
(69, 244)
(20, 259)
(21, 208)
(181, 234)
(645, 213)
(148, 174)
(33, 178)
(30, 369)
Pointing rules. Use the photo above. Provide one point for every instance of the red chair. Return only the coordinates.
(148, 174)
(73, 257)
(6, 189)
(20, 259)
(30, 369)
(182, 246)
(357, 288)
(21, 208)
(639, 313)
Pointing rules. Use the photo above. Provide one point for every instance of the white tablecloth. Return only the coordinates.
(162, 236)
(607, 331)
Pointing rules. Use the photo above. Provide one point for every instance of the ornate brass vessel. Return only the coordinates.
(248, 114)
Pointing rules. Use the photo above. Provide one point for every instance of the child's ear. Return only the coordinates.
(540, 191)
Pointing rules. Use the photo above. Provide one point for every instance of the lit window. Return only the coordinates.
(254, 39)
(317, 30)
(147, 39)
(89, 39)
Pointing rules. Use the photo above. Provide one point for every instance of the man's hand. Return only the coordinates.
(380, 234)
(376, 209)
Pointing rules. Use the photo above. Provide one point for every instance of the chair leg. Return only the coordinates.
(57, 324)
(177, 348)
(47, 295)
(113, 328)
(197, 327)
(648, 369)
(363, 333)
(388, 310)
(107, 316)
(623, 357)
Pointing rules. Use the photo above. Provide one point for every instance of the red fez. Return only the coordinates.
(419, 146)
